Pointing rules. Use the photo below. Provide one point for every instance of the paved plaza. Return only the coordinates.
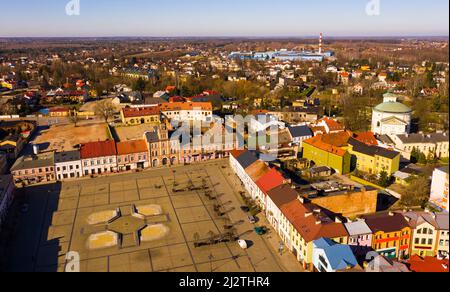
(189, 204)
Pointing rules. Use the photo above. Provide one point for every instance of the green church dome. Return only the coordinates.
(393, 107)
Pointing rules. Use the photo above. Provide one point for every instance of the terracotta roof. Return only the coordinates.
(236, 153)
(179, 106)
(257, 170)
(428, 265)
(270, 180)
(140, 111)
(311, 221)
(337, 139)
(332, 124)
(318, 143)
(98, 149)
(131, 147)
(366, 138)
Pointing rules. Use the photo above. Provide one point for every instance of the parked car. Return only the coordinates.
(252, 219)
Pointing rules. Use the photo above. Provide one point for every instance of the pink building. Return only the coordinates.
(132, 155)
(359, 234)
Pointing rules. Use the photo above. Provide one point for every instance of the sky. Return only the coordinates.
(246, 18)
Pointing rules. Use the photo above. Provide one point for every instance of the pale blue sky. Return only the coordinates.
(224, 18)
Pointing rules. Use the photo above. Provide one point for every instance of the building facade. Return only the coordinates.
(391, 234)
(7, 189)
(34, 169)
(323, 154)
(132, 155)
(98, 157)
(374, 159)
(140, 115)
(440, 188)
(68, 165)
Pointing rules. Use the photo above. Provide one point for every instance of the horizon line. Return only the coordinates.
(231, 36)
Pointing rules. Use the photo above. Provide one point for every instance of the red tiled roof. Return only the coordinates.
(310, 224)
(428, 265)
(270, 180)
(58, 110)
(98, 149)
(367, 138)
(236, 153)
(131, 147)
(140, 112)
(318, 143)
(332, 124)
(179, 106)
(171, 88)
(177, 99)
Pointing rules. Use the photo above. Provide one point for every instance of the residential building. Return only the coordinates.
(34, 169)
(330, 125)
(382, 264)
(359, 233)
(440, 188)
(322, 153)
(330, 257)
(373, 159)
(269, 181)
(140, 115)
(442, 241)
(297, 114)
(162, 150)
(434, 145)
(254, 173)
(7, 189)
(187, 111)
(391, 234)
(391, 117)
(12, 145)
(424, 233)
(68, 165)
(132, 155)
(276, 199)
(99, 157)
(309, 222)
(300, 134)
(240, 160)
(347, 200)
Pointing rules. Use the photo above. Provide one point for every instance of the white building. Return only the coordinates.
(391, 117)
(7, 189)
(68, 165)
(440, 188)
(99, 157)
(187, 111)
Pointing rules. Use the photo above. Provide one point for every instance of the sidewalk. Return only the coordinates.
(287, 260)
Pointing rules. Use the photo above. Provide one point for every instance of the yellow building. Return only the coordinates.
(374, 159)
(307, 222)
(140, 115)
(324, 154)
(391, 234)
(425, 233)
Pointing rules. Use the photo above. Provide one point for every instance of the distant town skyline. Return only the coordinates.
(230, 18)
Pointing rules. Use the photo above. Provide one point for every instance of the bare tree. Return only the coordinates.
(105, 110)
(73, 117)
